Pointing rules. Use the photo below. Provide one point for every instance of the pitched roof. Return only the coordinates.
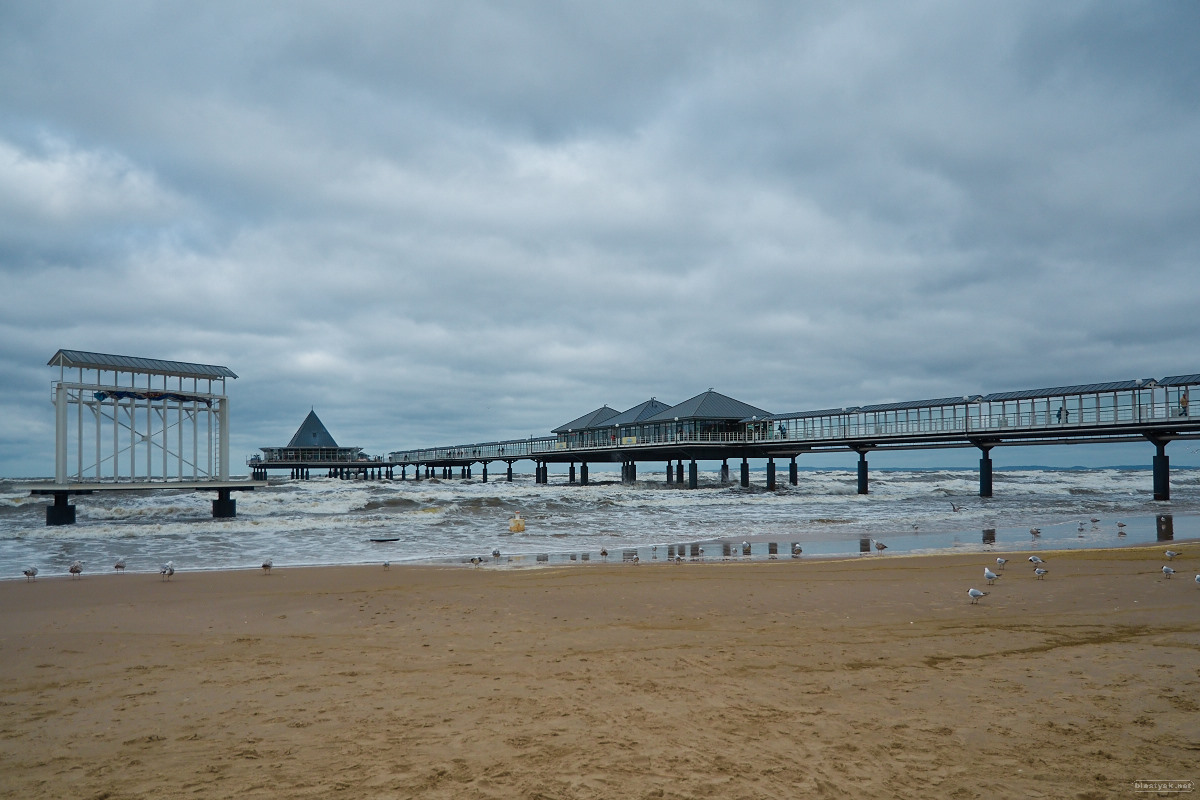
(312, 433)
(591, 419)
(641, 411)
(709, 405)
(152, 366)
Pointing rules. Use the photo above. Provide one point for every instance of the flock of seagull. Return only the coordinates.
(1040, 572)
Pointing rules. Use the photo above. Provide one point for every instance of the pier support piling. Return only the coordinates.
(224, 506)
(985, 473)
(724, 470)
(745, 474)
(679, 471)
(770, 474)
(692, 474)
(670, 472)
(862, 472)
(62, 512)
(583, 474)
(1162, 471)
(793, 473)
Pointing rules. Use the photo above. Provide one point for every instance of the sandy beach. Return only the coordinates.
(872, 677)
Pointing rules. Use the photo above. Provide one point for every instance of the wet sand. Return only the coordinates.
(873, 677)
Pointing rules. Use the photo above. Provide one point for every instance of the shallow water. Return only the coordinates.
(330, 521)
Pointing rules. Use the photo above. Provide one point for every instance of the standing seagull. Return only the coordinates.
(75, 569)
(120, 565)
(797, 550)
(975, 594)
(267, 566)
(1035, 531)
(1168, 572)
(1039, 573)
(30, 574)
(387, 565)
(167, 570)
(1170, 554)
(991, 576)
(1198, 579)
(880, 546)
(1000, 562)
(1035, 560)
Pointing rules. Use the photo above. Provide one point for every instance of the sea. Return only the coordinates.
(329, 521)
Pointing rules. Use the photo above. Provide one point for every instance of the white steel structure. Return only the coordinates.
(121, 419)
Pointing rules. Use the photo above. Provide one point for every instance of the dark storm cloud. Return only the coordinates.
(461, 221)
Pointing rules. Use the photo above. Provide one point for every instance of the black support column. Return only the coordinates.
(724, 470)
(1162, 471)
(583, 475)
(985, 472)
(692, 474)
(224, 506)
(770, 474)
(793, 473)
(862, 472)
(745, 473)
(62, 512)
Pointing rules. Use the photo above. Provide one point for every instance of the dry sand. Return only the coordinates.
(871, 677)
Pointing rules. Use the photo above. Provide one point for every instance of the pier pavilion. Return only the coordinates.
(711, 427)
(127, 423)
(312, 447)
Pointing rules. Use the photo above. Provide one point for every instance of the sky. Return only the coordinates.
(448, 222)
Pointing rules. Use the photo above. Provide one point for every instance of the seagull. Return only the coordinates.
(604, 553)
(1170, 554)
(654, 552)
(1168, 572)
(796, 550)
(267, 566)
(30, 573)
(1036, 560)
(1120, 524)
(75, 569)
(1035, 531)
(954, 507)
(975, 594)
(1040, 573)
(476, 560)
(167, 570)
(496, 553)
(1000, 562)
(991, 576)
(387, 565)
(120, 565)
(1198, 579)
(701, 553)
(1081, 526)
(637, 559)
(880, 546)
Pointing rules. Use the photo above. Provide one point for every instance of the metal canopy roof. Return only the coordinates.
(910, 404)
(1062, 391)
(589, 420)
(149, 366)
(1180, 380)
(826, 412)
(709, 405)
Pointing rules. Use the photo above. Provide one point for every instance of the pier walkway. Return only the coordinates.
(1149, 410)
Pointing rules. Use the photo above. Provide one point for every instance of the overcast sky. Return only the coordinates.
(448, 222)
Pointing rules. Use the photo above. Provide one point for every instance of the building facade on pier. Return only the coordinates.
(312, 442)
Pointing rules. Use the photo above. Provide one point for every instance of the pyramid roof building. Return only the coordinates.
(312, 433)
(592, 419)
(709, 405)
(639, 413)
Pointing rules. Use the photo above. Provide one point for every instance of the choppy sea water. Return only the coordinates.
(329, 521)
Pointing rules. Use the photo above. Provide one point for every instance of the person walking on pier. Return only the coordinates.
(1183, 403)
(1063, 414)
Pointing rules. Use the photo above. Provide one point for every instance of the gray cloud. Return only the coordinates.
(462, 221)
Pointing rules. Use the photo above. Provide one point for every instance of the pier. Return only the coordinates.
(714, 427)
(125, 423)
